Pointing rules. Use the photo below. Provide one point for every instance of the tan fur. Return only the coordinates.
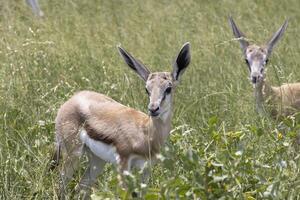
(129, 130)
(280, 101)
(133, 134)
(284, 100)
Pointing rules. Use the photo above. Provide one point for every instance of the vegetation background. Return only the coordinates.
(219, 148)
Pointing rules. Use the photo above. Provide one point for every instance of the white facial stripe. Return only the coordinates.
(155, 97)
(256, 68)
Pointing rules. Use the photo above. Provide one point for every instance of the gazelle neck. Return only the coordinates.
(259, 97)
(262, 93)
(162, 124)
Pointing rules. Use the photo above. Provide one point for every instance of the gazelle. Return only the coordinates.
(110, 132)
(283, 100)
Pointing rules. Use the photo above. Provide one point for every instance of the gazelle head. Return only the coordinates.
(159, 85)
(257, 56)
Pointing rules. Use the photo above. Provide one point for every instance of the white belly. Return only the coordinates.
(104, 151)
(108, 152)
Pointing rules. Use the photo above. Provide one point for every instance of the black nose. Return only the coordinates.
(254, 79)
(153, 111)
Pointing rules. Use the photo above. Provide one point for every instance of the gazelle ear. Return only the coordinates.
(239, 35)
(182, 61)
(134, 64)
(275, 38)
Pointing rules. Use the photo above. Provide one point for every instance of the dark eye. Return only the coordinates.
(247, 62)
(267, 61)
(168, 90)
(262, 70)
(147, 91)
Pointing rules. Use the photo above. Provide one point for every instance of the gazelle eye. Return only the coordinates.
(266, 62)
(147, 91)
(168, 90)
(262, 70)
(247, 62)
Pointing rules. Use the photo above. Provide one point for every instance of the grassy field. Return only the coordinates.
(219, 147)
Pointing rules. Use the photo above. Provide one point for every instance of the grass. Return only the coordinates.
(219, 148)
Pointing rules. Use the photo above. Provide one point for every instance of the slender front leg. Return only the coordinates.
(146, 167)
(146, 175)
(69, 167)
(123, 166)
(96, 165)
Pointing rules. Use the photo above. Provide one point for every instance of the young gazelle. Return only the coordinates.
(283, 100)
(111, 132)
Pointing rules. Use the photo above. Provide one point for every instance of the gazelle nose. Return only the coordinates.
(153, 110)
(254, 79)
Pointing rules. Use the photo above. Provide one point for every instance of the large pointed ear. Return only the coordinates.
(239, 35)
(183, 59)
(275, 38)
(134, 64)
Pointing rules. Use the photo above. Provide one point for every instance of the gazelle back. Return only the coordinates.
(111, 132)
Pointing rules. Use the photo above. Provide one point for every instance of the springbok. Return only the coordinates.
(109, 132)
(283, 100)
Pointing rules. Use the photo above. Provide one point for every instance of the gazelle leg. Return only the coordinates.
(123, 166)
(95, 167)
(69, 167)
(144, 167)
(146, 170)
(145, 175)
(71, 157)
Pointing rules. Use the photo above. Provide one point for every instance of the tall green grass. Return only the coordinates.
(219, 148)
